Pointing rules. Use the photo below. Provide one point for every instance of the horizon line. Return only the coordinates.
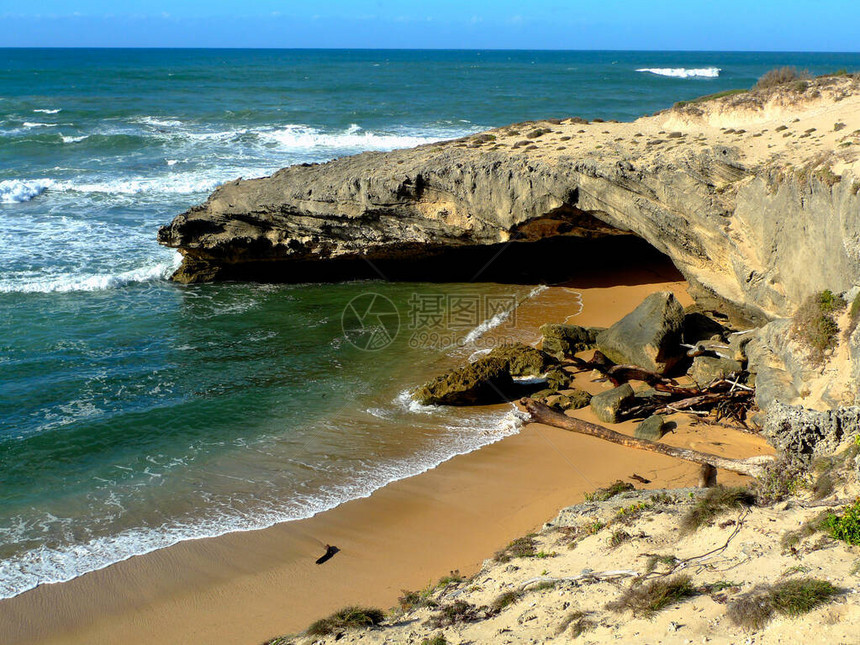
(439, 49)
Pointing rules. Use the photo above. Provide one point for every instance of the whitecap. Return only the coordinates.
(31, 124)
(47, 111)
(683, 72)
(73, 139)
(94, 282)
(300, 137)
(15, 190)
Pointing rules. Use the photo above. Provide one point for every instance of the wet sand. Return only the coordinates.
(248, 587)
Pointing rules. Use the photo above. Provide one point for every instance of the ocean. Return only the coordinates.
(136, 413)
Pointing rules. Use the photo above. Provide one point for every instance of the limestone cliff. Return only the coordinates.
(753, 196)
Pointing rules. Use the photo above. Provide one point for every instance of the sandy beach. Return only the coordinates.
(248, 587)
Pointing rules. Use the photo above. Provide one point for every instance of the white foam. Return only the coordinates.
(301, 137)
(683, 72)
(406, 402)
(95, 282)
(176, 184)
(499, 318)
(47, 111)
(74, 139)
(30, 124)
(16, 190)
(45, 565)
(158, 122)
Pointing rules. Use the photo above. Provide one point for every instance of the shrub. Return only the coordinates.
(815, 325)
(647, 599)
(524, 547)
(618, 538)
(780, 76)
(457, 612)
(603, 494)
(780, 479)
(790, 598)
(845, 527)
(504, 600)
(579, 623)
(717, 501)
(346, 618)
(854, 312)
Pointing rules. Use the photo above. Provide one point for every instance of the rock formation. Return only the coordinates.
(753, 196)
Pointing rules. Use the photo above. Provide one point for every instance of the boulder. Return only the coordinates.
(558, 379)
(698, 327)
(706, 369)
(523, 360)
(649, 336)
(485, 381)
(651, 429)
(607, 405)
(562, 341)
(571, 401)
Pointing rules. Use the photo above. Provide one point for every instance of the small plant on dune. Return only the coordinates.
(524, 547)
(793, 597)
(815, 324)
(668, 561)
(791, 539)
(346, 618)
(647, 599)
(456, 613)
(845, 527)
(781, 76)
(603, 494)
(504, 600)
(578, 622)
(716, 502)
(280, 640)
(438, 639)
(618, 538)
(453, 578)
(781, 478)
(416, 599)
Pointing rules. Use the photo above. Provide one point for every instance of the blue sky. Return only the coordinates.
(759, 25)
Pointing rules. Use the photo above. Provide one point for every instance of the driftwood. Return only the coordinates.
(583, 577)
(540, 413)
(619, 374)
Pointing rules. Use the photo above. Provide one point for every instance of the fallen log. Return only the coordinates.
(754, 466)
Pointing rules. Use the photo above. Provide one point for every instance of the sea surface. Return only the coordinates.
(135, 413)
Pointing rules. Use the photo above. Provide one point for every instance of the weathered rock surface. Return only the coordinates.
(563, 341)
(649, 336)
(485, 381)
(706, 369)
(801, 431)
(651, 429)
(755, 218)
(523, 360)
(607, 405)
(573, 400)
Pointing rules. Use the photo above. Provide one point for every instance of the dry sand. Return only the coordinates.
(247, 587)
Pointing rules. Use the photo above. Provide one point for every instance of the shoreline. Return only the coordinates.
(249, 586)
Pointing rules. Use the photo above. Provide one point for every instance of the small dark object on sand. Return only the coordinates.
(639, 478)
(329, 553)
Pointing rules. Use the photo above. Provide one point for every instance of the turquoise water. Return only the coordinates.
(135, 413)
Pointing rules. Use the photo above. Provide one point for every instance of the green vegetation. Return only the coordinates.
(781, 76)
(505, 600)
(717, 501)
(346, 618)
(524, 547)
(854, 312)
(457, 612)
(647, 599)
(815, 324)
(791, 539)
(781, 479)
(668, 561)
(603, 494)
(790, 598)
(845, 527)
(618, 538)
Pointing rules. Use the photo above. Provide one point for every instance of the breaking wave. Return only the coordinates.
(16, 190)
(683, 72)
